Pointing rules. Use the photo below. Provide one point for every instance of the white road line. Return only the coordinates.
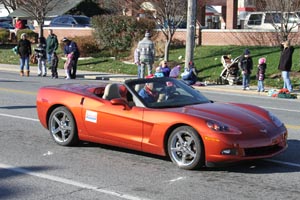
(283, 163)
(298, 111)
(70, 182)
(19, 117)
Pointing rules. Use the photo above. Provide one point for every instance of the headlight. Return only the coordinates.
(222, 128)
(275, 120)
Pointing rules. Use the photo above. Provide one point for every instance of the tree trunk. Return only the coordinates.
(167, 47)
(41, 32)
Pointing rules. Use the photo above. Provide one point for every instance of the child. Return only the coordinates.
(260, 76)
(54, 63)
(158, 72)
(68, 65)
(246, 64)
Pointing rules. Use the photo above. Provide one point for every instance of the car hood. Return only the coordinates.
(234, 114)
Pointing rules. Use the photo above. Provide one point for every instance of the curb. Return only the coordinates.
(240, 91)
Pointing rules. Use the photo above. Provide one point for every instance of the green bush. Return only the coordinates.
(87, 45)
(4, 35)
(119, 33)
(31, 35)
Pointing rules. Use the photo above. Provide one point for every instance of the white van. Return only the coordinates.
(270, 20)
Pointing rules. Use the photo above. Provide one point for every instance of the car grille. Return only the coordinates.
(261, 151)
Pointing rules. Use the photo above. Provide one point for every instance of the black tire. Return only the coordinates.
(185, 148)
(62, 127)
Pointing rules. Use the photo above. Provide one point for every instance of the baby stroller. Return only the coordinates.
(230, 74)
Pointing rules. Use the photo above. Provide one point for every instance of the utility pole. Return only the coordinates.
(190, 35)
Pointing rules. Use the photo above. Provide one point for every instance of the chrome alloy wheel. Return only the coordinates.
(185, 148)
(62, 127)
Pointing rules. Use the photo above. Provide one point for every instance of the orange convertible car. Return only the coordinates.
(161, 116)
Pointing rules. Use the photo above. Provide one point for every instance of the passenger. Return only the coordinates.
(148, 93)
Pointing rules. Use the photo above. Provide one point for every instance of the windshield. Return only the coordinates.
(165, 93)
(82, 20)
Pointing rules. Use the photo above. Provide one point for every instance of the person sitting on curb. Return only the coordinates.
(189, 76)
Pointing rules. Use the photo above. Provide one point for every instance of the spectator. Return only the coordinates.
(24, 51)
(68, 65)
(54, 64)
(40, 53)
(189, 76)
(260, 75)
(146, 53)
(165, 69)
(52, 45)
(174, 73)
(138, 63)
(158, 72)
(19, 24)
(285, 64)
(246, 65)
(71, 48)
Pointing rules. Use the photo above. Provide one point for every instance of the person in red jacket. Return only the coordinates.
(19, 24)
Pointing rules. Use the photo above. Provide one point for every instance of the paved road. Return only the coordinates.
(33, 167)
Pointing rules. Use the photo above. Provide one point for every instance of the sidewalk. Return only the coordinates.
(61, 72)
(121, 77)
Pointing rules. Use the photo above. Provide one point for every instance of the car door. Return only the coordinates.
(111, 124)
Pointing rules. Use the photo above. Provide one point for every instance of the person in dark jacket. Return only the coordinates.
(52, 45)
(54, 64)
(260, 75)
(165, 69)
(71, 48)
(24, 51)
(246, 65)
(285, 64)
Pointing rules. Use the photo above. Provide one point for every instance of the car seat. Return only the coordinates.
(111, 91)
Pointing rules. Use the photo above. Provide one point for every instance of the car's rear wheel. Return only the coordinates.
(62, 127)
(185, 148)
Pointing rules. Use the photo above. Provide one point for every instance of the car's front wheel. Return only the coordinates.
(62, 127)
(185, 148)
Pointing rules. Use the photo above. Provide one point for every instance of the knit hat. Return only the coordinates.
(23, 34)
(262, 61)
(147, 34)
(65, 39)
(246, 52)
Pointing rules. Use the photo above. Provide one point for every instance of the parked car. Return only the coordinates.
(161, 116)
(70, 21)
(6, 25)
(270, 20)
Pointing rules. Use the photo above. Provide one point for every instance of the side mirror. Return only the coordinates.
(121, 102)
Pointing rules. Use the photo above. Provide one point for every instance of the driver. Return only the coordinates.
(148, 93)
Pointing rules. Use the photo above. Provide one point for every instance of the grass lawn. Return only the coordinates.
(207, 59)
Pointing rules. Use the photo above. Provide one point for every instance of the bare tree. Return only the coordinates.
(281, 13)
(167, 14)
(39, 9)
(10, 5)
